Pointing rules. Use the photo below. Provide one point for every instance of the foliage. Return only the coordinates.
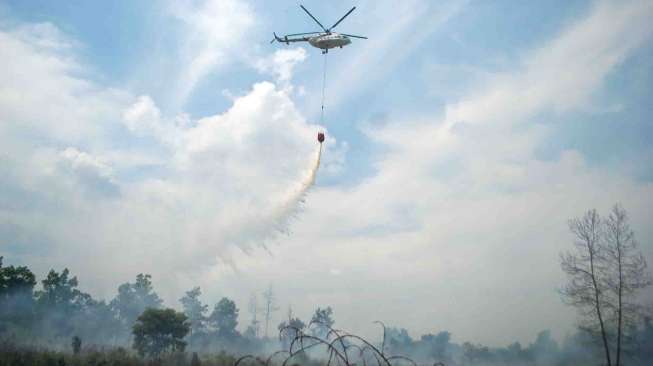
(16, 295)
(134, 298)
(157, 331)
(288, 330)
(15, 279)
(194, 309)
(224, 319)
(59, 301)
(61, 292)
(323, 318)
(437, 345)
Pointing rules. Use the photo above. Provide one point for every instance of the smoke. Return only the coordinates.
(168, 195)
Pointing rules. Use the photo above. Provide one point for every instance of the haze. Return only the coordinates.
(160, 137)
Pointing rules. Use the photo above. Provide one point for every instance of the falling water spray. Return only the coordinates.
(294, 199)
(276, 220)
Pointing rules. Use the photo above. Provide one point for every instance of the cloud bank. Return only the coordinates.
(110, 176)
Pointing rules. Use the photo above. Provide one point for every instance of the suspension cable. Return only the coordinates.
(323, 88)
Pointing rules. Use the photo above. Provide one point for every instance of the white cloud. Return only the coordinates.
(143, 115)
(215, 33)
(564, 73)
(459, 226)
(90, 173)
(38, 93)
(148, 190)
(144, 118)
(281, 64)
(79, 160)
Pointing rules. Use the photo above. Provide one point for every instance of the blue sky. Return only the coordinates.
(462, 135)
(119, 40)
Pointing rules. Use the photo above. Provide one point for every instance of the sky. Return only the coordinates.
(162, 137)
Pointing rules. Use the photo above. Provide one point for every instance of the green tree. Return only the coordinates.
(194, 310)
(545, 348)
(97, 322)
(158, 331)
(322, 321)
(16, 295)
(60, 301)
(397, 340)
(15, 279)
(224, 319)
(134, 298)
(475, 354)
(60, 291)
(437, 345)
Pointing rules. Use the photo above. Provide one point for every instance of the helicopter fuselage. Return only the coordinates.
(329, 40)
(322, 40)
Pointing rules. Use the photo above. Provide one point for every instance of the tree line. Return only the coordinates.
(605, 270)
(59, 315)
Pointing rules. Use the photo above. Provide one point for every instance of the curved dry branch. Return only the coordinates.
(361, 352)
(286, 328)
(330, 332)
(368, 344)
(378, 360)
(269, 359)
(318, 341)
(302, 342)
(238, 361)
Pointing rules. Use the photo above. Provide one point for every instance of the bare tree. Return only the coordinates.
(254, 311)
(626, 272)
(270, 307)
(289, 312)
(605, 273)
(586, 290)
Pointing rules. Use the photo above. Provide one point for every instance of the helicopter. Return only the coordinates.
(324, 40)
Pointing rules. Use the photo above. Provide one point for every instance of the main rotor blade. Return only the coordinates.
(301, 34)
(311, 15)
(343, 17)
(351, 35)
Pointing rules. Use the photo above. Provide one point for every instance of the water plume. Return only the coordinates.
(294, 199)
(259, 229)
